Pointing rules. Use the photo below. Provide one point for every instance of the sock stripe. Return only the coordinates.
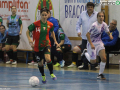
(8, 50)
(49, 62)
(14, 51)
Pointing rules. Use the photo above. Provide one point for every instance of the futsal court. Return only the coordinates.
(16, 77)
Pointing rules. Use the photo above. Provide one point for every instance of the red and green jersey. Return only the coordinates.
(41, 34)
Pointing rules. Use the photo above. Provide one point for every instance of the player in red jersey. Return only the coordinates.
(42, 45)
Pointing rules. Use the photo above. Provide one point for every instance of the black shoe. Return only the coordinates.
(84, 68)
(101, 76)
(93, 66)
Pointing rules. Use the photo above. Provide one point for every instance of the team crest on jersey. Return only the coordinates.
(48, 50)
(44, 28)
(63, 47)
(16, 20)
(48, 26)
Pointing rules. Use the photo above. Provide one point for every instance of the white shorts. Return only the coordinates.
(94, 52)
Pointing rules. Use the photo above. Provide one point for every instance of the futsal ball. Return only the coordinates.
(34, 81)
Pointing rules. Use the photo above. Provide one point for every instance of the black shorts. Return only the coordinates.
(65, 48)
(79, 46)
(40, 55)
(12, 40)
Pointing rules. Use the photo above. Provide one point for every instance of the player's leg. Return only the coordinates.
(85, 66)
(14, 54)
(64, 48)
(76, 51)
(1, 53)
(59, 57)
(15, 43)
(91, 54)
(102, 64)
(7, 48)
(47, 52)
(39, 57)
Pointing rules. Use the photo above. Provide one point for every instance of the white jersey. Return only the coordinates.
(96, 30)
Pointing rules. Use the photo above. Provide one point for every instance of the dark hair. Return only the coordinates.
(43, 10)
(90, 4)
(2, 26)
(59, 24)
(13, 6)
(47, 9)
(99, 13)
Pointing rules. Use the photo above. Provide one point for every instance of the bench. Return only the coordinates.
(114, 50)
(27, 53)
(111, 52)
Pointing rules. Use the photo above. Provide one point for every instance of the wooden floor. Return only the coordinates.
(16, 77)
(114, 69)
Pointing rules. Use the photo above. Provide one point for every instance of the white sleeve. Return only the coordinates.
(106, 28)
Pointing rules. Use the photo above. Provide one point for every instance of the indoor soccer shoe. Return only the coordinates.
(72, 65)
(101, 76)
(62, 63)
(14, 62)
(53, 77)
(57, 65)
(8, 62)
(44, 79)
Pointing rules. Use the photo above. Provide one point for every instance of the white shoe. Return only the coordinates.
(31, 63)
(62, 63)
(8, 62)
(14, 62)
(35, 64)
(72, 65)
(80, 66)
(97, 67)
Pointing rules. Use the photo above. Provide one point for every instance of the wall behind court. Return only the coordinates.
(67, 11)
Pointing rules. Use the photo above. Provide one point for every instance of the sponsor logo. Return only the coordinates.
(18, 3)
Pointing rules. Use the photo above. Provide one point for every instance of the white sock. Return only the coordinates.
(87, 56)
(102, 67)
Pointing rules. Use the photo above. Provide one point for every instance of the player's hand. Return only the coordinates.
(111, 37)
(20, 33)
(92, 46)
(57, 45)
(31, 43)
(79, 34)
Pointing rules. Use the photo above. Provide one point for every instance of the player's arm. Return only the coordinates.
(30, 29)
(62, 37)
(110, 35)
(108, 31)
(7, 23)
(29, 39)
(91, 30)
(78, 26)
(21, 26)
(89, 40)
(53, 36)
(1, 20)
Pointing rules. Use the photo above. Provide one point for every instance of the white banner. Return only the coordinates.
(67, 11)
(70, 11)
